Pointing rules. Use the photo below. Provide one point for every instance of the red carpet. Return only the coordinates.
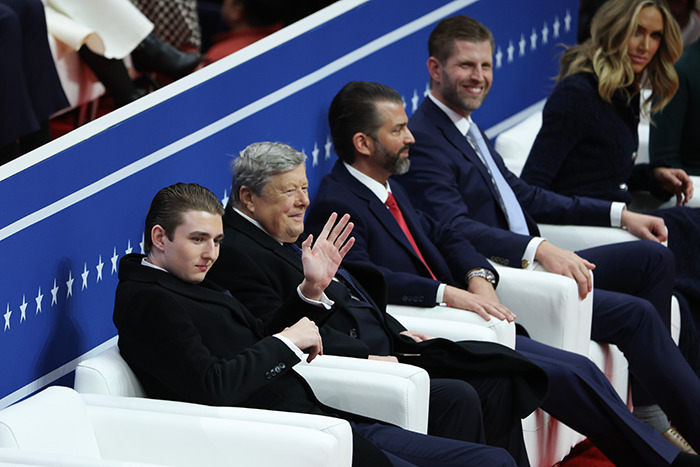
(586, 455)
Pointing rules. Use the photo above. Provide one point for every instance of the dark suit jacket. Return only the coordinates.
(379, 241)
(196, 343)
(264, 275)
(448, 181)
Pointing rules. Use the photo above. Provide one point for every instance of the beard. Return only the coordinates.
(450, 92)
(393, 163)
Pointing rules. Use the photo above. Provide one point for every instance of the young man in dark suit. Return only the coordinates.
(371, 137)
(189, 340)
(458, 178)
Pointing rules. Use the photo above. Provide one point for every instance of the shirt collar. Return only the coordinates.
(381, 191)
(148, 264)
(462, 123)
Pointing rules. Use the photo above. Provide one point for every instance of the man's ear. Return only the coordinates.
(363, 143)
(158, 237)
(434, 67)
(245, 195)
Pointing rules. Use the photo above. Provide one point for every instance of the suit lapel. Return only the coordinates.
(459, 141)
(376, 207)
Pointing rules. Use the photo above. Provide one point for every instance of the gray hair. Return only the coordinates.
(258, 163)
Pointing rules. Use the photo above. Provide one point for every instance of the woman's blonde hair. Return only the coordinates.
(605, 53)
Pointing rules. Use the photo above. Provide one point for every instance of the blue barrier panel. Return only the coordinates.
(67, 219)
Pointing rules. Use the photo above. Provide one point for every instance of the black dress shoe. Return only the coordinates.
(155, 55)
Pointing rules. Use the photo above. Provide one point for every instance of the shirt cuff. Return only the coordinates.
(325, 302)
(291, 345)
(528, 261)
(440, 293)
(616, 209)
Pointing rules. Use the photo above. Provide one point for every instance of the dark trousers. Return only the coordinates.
(406, 448)
(642, 275)
(455, 411)
(581, 397)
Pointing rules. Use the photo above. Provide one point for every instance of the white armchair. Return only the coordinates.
(391, 392)
(60, 422)
(550, 309)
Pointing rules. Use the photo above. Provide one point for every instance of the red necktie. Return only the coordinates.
(396, 212)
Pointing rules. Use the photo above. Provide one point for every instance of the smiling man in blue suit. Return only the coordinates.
(457, 177)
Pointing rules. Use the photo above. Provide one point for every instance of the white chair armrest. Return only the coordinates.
(454, 324)
(61, 422)
(107, 374)
(336, 427)
(13, 457)
(548, 306)
(399, 392)
(183, 440)
(580, 237)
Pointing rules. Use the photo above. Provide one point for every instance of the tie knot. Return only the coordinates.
(391, 201)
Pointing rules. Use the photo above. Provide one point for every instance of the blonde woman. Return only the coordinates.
(588, 141)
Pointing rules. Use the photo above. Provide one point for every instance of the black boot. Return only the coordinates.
(155, 55)
(112, 73)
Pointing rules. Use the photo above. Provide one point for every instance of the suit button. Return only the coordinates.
(404, 298)
(525, 264)
(623, 187)
(420, 299)
(267, 375)
(353, 333)
(282, 365)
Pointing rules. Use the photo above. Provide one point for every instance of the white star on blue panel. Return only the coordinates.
(38, 299)
(114, 259)
(54, 293)
(7, 315)
(314, 155)
(99, 267)
(85, 275)
(23, 309)
(328, 146)
(69, 284)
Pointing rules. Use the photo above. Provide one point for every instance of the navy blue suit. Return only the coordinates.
(579, 396)
(633, 280)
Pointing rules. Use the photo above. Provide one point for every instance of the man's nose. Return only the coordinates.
(409, 139)
(303, 198)
(210, 250)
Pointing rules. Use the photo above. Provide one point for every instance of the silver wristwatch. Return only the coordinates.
(482, 272)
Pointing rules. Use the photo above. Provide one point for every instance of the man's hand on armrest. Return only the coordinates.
(484, 304)
(644, 226)
(566, 263)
